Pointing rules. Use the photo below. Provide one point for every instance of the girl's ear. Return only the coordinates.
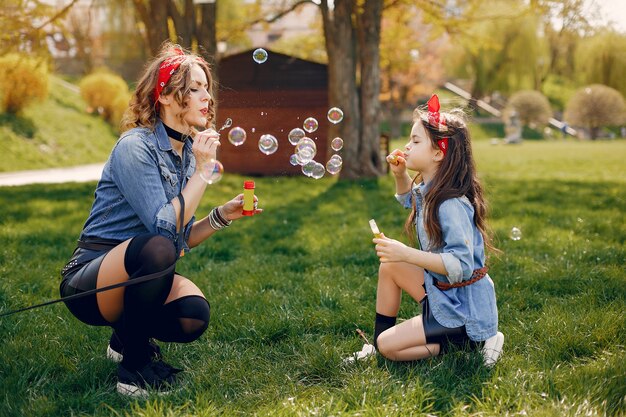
(438, 156)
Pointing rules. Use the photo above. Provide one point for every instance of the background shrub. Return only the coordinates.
(105, 93)
(23, 80)
(532, 108)
(594, 107)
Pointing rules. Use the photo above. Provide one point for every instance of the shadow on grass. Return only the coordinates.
(21, 126)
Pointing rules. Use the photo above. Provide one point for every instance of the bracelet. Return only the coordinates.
(217, 221)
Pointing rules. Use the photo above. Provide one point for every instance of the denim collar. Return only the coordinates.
(423, 188)
(163, 140)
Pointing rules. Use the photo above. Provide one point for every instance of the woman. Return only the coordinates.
(143, 219)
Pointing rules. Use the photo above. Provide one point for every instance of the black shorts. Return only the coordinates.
(80, 274)
(445, 336)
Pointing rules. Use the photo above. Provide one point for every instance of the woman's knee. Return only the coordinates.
(183, 320)
(149, 253)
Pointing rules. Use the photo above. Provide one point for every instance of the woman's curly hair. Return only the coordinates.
(143, 108)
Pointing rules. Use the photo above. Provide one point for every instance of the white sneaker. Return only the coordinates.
(492, 349)
(367, 351)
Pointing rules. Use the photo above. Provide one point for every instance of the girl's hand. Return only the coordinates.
(205, 146)
(232, 210)
(390, 250)
(397, 162)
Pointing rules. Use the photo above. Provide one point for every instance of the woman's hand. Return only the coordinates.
(397, 162)
(390, 250)
(205, 146)
(232, 210)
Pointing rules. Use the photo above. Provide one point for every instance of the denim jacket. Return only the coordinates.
(472, 306)
(139, 181)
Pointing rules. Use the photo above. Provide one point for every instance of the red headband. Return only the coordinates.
(167, 68)
(438, 121)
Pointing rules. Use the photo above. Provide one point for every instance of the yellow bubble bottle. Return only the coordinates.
(248, 198)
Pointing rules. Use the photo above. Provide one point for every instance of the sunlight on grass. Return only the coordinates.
(288, 288)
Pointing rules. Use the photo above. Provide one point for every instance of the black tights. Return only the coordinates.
(145, 313)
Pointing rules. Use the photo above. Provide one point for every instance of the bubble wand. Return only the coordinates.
(374, 228)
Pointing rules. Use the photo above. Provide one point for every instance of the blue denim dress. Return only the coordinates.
(139, 181)
(472, 306)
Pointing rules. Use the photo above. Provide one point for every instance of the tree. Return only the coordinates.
(25, 25)
(497, 47)
(600, 59)
(352, 36)
(596, 106)
(191, 25)
(532, 108)
(410, 69)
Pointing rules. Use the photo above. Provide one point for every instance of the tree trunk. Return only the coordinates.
(205, 32)
(154, 18)
(368, 26)
(342, 89)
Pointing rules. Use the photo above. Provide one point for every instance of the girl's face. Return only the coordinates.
(420, 154)
(197, 102)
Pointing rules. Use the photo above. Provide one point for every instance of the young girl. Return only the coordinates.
(448, 274)
(143, 219)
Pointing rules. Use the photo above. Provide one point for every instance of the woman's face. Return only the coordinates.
(197, 102)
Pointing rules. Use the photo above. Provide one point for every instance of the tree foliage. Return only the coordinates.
(107, 94)
(601, 59)
(498, 53)
(596, 106)
(26, 23)
(410, 69)
(23, 80)
(532, 108)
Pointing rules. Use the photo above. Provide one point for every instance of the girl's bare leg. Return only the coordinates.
(393, 277)
(406, 342)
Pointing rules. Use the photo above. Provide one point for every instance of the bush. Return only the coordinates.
(532, 108)
(106, 93)
(23, 80)
(594, 107)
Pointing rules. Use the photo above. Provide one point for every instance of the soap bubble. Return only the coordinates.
(307, 169)
(310, 124)
(515, 234)
(318, 171)
(306, 149)
(237, 136)
(268, 144)
(333, 167)
(212, 171)
(336, 144)
(295, 135)
(294, 160)
(335, 115)
(259, 55)
(336, 159)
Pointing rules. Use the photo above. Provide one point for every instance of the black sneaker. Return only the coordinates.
(115, 350)
(155, 377)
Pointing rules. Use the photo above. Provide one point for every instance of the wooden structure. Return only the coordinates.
(273, 97)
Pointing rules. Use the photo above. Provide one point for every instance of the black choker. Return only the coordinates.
(174, 134)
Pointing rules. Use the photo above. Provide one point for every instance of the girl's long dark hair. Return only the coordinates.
(455, 177)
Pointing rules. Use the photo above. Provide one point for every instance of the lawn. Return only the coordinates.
(56, 132)
(289, 287)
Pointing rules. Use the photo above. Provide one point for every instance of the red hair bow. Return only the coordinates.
(167, 68)
(438, 121)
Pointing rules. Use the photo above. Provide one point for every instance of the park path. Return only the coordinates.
(82, 173)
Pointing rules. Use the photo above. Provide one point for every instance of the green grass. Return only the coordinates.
(54, 133)
(288, 288)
